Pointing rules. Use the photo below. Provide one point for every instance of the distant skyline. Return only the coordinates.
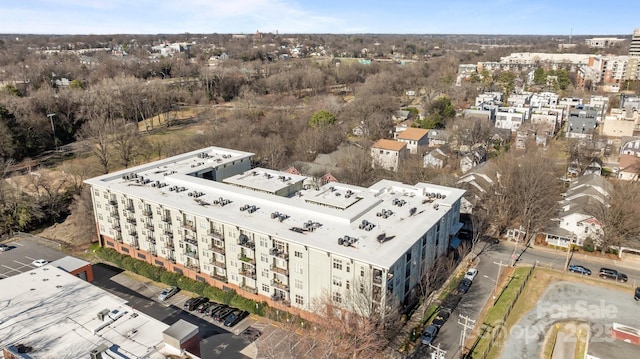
(507, 17)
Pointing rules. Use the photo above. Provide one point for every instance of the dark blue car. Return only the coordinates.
(579, 269)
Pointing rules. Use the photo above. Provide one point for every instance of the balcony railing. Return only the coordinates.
(246, 259)
(216, 234)
(114, 212)
(133, 234)
(219, 277)
(168, 245)
(150, 226)
(151, 240)
(249, 288)
(279, 253)
(248, 274)
(281, 298)
(279, 270)
(189, 225)
(280, 285)
(168, 233)
(166, 219)
(190, 239)
(113, 203)
(193, 267)
(247, 243)
(131, 220)
(191, 254)
(218, 264)
(216, 249)
(147, 213)
(118, 237)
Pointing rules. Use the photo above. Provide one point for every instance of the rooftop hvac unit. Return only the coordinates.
(103, 313)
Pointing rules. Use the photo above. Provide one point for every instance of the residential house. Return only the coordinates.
(509, 119)
(581, 123)
(575, 221)
(483, 112)
(519, 100)
(544, 99)
(414, 138)
(477, 181)
(388, 154)
(620, 123)
(436, 158)
(628, 167)
(600, 103)
(489, 97)
(400, 116)
(438, 137)
(472, 158)
(547, 120)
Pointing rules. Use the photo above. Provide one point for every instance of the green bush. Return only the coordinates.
(588, 245)
(159, 274)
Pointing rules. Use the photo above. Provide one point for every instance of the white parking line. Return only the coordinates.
(29, 258)
(11, 269)
(4, 275)
(18, 244)
(24, 264)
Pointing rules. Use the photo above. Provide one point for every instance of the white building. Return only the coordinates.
(388, 154)
(509, 119)
(414, 138)
(49, 313)
(208, 215)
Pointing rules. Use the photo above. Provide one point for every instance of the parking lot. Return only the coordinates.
(20, 255)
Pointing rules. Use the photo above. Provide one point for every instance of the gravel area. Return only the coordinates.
(596, 306)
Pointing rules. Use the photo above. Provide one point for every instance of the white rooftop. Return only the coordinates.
(56, 315)
(338, 209)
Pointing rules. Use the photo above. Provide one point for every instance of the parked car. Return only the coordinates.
(579, 269)
(464, 286)
(222, 314)
(441, 319)
(168, 293)
(471, 274)
(202, 308)
(39, 262)
(429, 334)
(202, 303)
(4, 247)
(193, 303)
(637, 295)
(213, 308)
(608, 273)
(235, 317)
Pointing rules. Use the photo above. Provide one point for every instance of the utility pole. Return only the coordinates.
(437, 353)
(53, 129)
(495, 289)
(468, 324)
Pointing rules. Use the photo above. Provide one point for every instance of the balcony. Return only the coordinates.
(147, 213)
(278, 284)
(168, 233)
(279, 270)
(218, 277)
(216, 249)
(218, 264)
(135, 244)
(118, 237)
(189, 226)
(216, 234)
(168, 245)
(113, 203)
(248, 274)
(150, 226)
(278, 253)
(153, 252)
(245, 242)
(246, 259)
(192, 254)
(151, 240)
(171, 259)
(113, 212)
(281, 297)
(133, 234)
(193, 267)
(190, 239)
(377, 277)
(131, 220)
(249, 288)
(129, 207)
(116, 225)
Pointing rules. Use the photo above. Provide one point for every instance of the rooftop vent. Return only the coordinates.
(366, 225)
(412, 211)
(385, 213)
(311, 225)
(399, 202)
(347, 241)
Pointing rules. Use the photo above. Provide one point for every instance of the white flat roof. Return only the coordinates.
(338, 208)
(264, 180)
(56, 314)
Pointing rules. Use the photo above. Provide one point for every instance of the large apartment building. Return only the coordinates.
(271, 236)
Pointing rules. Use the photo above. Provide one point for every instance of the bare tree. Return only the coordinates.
(618, 216)
(127, 141)
(95, 137)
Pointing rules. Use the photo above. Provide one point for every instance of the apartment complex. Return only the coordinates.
(634, 48)
(271, 237)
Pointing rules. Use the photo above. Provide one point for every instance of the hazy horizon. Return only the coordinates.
(401, 17)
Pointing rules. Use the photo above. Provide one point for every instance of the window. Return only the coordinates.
(337, 264)
(265, 273)
(337, 297)
(347, 285)
(361, 288)
(298, 284)
(159, 263)
(264, 258)
(125, 249)
(348, 269)
(110, 244)
(263, 242)
(99, 216)
(299, 299)
(298, 254)
(408, 256)
(96, 193)
(297, 268)
(142, 256)
(265, 288)
(337, 281)
(362, 272)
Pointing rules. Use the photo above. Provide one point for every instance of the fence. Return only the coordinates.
(501, 322)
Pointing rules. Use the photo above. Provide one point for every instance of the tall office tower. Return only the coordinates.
(634, 48)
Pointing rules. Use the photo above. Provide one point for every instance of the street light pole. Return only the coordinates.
(53, 130)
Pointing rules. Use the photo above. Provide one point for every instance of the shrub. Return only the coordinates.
(588, 245)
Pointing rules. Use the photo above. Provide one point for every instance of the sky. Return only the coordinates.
(517, 17)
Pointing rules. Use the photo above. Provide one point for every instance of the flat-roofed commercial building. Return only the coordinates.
(210, 216)
(49, 313)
